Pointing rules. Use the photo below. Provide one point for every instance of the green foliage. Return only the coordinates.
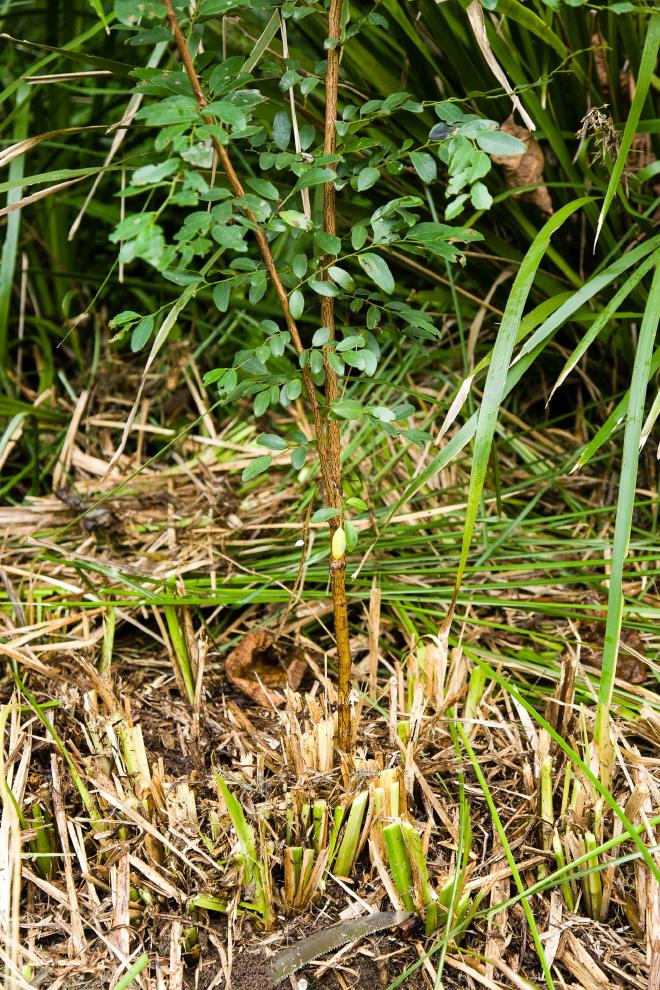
(177, 214)
(407, 287)
(255, 864)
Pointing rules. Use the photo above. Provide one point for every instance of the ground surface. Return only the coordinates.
(136, 833)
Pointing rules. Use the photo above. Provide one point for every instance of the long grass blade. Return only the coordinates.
(497, 373)
(603, 318)
(644, 77)
(515, 873)
(612, 423)
(624, 515)
(10, 245)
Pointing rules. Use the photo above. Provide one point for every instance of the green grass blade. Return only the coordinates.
(569, 871)
(344, 862)
(10, 245)
(585, 294)
(532, 23)
(17, 182)
(100, 13)
(604, 317)
(572, 871)
(130, 975)
(262, 43)
(76, 776)
(240, 823)
(575, 757)
(68, 51)
(644, 77)
(247, 843)
(624, 515)
(650, 420)
(82, 57)
(463, 848)
(499, 367)
(499, 828)
(612, 422)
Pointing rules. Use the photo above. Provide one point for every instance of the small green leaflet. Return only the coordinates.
(378, 271)
(227, 113)
(383, 413)
(296, 304)
(367, 178)
(257, 466)
(315, 361)
(336, 363)
(295, 219)
(221, 295)
(352, 535)
(424, 165)
(347, 409)
(281, 130)
(150, 174)
(329, 243)
(299, 265)
(440, 237)
(293, 389)
(141, 333)
(126, 316)
(173, 110)
(261, 402)
(480, 197)
(264, 188)
(341, 277)
(426, 233)
(358, 236)
(322, 515)
(272, 441)
(323, 288)
(419, 437)
(500, 143)
(315, 176)
(355, 340)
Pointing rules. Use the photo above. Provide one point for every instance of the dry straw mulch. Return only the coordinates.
(113, 770)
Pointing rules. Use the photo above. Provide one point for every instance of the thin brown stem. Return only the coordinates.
(333, 438)
(262, 242)
(328, 440)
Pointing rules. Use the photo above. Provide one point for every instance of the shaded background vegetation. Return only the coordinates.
(569, 62)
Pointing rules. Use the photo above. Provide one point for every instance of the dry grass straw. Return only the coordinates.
(82, 900)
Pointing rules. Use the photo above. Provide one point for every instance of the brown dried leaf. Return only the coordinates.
(259, 666)
(525, 169)
(599, 51)
(632, 666)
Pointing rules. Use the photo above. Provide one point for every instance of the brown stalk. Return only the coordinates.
(266, 254)
(333, 438)
(327, 440)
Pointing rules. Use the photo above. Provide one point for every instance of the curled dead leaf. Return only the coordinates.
(632, 666)
(261, 668)
(525, 169)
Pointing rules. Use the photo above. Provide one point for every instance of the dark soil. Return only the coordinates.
(373, 971)
(251, 971)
